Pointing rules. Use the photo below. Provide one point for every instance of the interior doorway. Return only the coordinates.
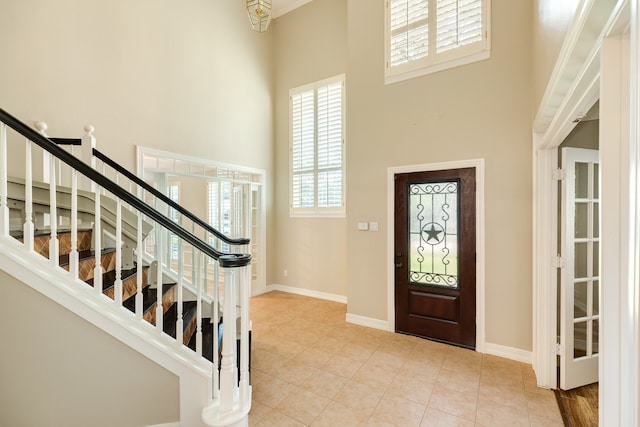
(579, 249)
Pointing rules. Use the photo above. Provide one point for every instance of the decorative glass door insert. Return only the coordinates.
(433, 234)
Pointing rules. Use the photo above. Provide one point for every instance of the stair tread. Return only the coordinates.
(19, 234)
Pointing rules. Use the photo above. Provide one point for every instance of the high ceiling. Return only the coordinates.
(280, 7)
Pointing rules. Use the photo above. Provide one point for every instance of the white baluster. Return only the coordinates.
(28, 197)
(88, 144)
(74, 261)
(199, 307)
(193, 266)
(245, 290)
(118, 283)
(4, 192)
(97, 245)
(216, 324)
(179, 319)
(206, 275)
(139, 297)
(228, 368)
(159, 308)
(104, 191)
(54, 244)
(41, 127)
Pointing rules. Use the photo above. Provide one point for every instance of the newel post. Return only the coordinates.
(231, 407)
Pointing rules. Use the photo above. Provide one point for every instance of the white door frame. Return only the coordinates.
(620, 169)
(480, 251)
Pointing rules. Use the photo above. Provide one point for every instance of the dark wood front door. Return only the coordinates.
(435, 248)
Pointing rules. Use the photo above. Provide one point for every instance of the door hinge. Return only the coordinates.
(558, 261)
(557, 349)
(559, 175)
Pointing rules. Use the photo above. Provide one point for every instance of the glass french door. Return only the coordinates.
(580, 282)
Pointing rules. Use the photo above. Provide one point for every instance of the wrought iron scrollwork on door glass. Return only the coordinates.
(433, 233)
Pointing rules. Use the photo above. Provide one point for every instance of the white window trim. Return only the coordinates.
(317, 212)
(450, 59)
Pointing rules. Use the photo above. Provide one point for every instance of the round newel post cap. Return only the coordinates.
(88, 130)
(41, 127)
(234, 260)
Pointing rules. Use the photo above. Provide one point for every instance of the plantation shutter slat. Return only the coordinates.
(409, 30)
(303, 147)
(425, 36)
(459, 23)
(330, 145)
(317, 136)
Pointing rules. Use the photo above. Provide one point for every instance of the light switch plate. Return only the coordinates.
(363, 226)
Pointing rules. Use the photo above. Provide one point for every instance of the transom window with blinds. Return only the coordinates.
(426, 36)
(316, 120)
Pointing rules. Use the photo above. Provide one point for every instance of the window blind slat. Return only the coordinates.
(459, 23)
(317, 147)
(423, 34)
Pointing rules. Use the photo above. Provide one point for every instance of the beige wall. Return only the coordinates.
(482, 110)
(63, 371)
(190, 78)
(193, 194)
(551, 20)
(311, 44)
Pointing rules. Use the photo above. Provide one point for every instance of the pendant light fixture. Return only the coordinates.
(259, 12)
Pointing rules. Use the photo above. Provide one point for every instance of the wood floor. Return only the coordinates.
(579, 407)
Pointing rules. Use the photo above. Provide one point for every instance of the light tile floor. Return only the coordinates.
(311, 368)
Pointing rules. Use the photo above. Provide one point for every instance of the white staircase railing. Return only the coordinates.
(230, 396)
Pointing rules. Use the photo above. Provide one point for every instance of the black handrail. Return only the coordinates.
(118, 168)
(66, 141)
(225, 260)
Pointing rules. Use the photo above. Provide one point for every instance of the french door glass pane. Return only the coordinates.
(580, 260)
(579, 339)
(433, 233)
(596, 297)
(596, 333)
(580, 295)
(582, 220)
(582, 180)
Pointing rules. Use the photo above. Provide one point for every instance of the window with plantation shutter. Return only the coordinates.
(317, 148)
(426, 36)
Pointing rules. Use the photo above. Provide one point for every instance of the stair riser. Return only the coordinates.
(189, 330)
(168, 299)
(86, 266)
(129, 286)
(41, 243)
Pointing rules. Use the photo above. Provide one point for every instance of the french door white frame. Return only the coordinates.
(610, 72)
(478, 164)
(259, 284)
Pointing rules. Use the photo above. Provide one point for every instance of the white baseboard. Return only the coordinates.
(368, 322)
(307, 293)
(508, 352)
